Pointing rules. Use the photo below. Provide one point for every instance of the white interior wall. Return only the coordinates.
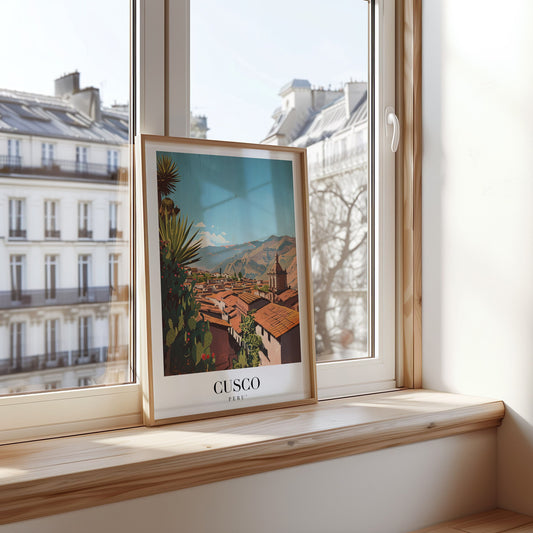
(478, 217)
(395, 490)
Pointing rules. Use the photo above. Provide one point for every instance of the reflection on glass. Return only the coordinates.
(325, 111)
(64, 188)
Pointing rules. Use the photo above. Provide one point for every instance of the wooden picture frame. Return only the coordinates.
(229, 325)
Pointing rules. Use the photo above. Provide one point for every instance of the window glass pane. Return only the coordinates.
(64, 170)
(295, 73)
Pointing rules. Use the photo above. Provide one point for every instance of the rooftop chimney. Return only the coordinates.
(88, 101)
(67, 84)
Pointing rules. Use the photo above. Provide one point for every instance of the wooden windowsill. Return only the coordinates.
(57, 475)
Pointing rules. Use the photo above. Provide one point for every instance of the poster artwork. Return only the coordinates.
(229, 283)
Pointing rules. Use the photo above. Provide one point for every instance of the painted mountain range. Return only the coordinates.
(254, 259)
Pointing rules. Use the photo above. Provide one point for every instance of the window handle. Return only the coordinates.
(392, 120)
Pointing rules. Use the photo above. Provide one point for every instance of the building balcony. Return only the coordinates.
(84, 233)
(64, 359)
(48, 298)
(114, 233)
(62, 168)
(15, 233)
(52, 234)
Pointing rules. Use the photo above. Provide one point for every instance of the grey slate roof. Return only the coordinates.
(51, 116)
(330, 120)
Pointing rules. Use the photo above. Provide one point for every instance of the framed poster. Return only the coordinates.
(228, 289)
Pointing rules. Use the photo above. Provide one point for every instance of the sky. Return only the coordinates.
(242, 52)
(234, 200)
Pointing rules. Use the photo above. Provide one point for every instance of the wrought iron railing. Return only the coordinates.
(15, 233)
(84, 233)
(45, 298)
(114, 233)
(63, 168)
(62, 359)
(52, 234)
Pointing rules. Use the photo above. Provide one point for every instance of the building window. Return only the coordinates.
(17, 218)
(84, 273)
(113, 343)
(17, 268)
(84, 221)
(50, 277)
(114, 233)
(85, 381)
(113, 272)
(112, 161)
(51, 225)
(51, 334)
(13, 153)
(84, 336)
(17, 341)
(47, 155)
(81, 160)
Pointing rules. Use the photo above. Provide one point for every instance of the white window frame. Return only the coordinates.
(347, 377)
(17, 342)
(112, 160)
(47, 154)
(85, 219)
(84, 275)
(50, 276)
(17, 265)
(51, 338)
(51, 222)
(377, 373)
(156, 59)
(17, 216)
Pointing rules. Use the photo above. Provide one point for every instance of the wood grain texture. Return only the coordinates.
(409, 90)
(58, 475)
(495, 521)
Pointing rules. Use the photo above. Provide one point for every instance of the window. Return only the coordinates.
(85, 381)
(161, 104)
(84, 274)
(114, 336)
(51, 226)
(81, 159)
(51, 334)
(112, 160)
(84, 338)
(50, 277)
(113, 272)
(13, 153)
(47, 155)
(114, 233)
(84, 221)
(17, 341)
(17, 268)
(56, 183)
(17, 218)
(337, 115)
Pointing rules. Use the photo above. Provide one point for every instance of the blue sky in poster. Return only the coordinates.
(233, 200)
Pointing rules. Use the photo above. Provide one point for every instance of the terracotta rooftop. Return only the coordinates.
(231, 300)
(223, 294)
(287, 295)
(217, 321)
(248, 297)
(236, 324)
(277, 319)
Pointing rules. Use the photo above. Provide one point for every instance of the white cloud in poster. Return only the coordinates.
(212, 239)
(200, 225)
